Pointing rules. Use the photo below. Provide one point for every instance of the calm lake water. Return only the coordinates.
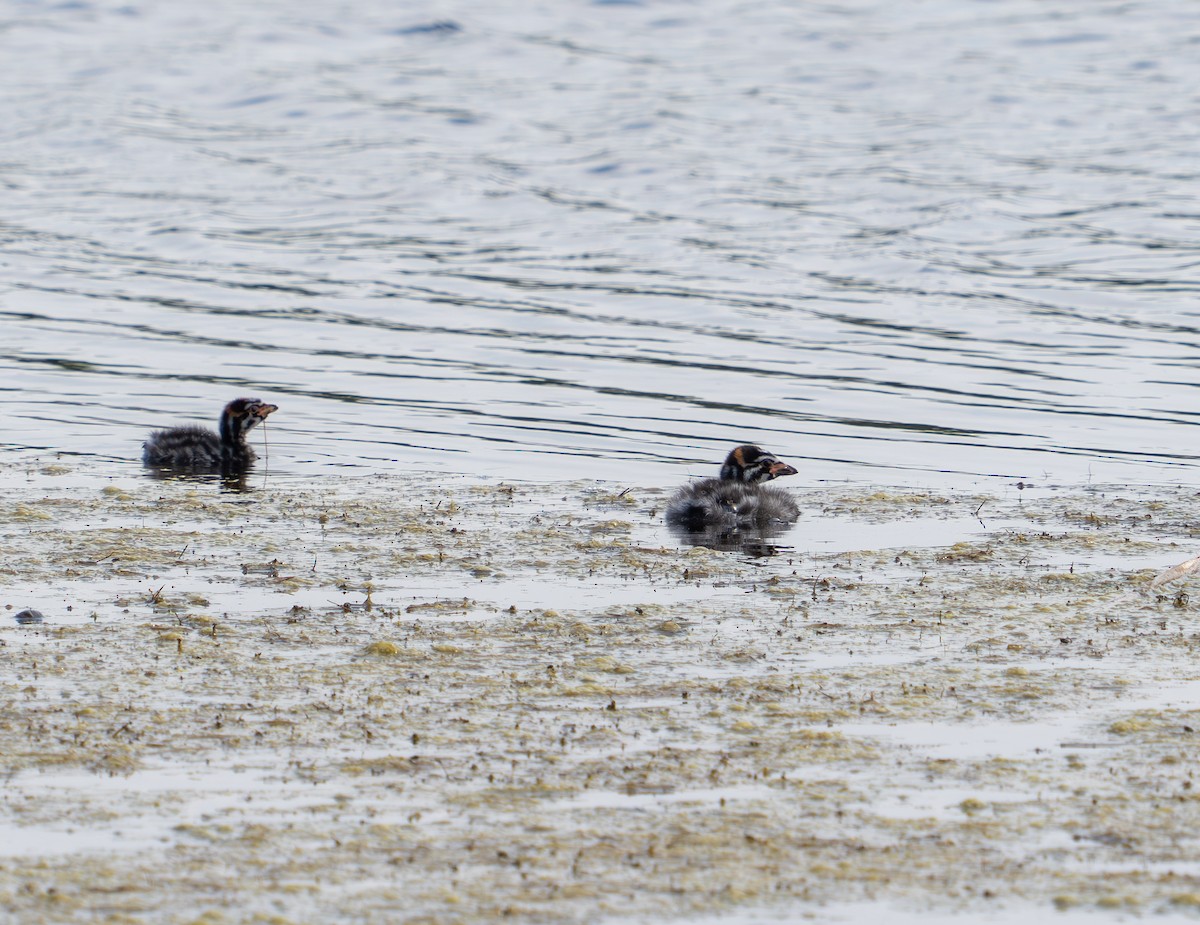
(895, 242)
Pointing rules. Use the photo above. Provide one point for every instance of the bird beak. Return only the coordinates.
(261, 411)
(780, 468)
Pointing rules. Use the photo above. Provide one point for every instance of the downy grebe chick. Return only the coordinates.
(737, 498)
(200, 450)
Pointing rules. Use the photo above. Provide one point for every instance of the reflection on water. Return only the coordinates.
(894, 243)
(233, 479)
(755, 543)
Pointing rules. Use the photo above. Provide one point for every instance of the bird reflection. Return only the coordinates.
(233, 480)
(756, 543)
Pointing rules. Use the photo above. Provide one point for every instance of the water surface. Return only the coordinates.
(894, 242)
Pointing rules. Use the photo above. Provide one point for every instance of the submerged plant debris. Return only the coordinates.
(386, 700)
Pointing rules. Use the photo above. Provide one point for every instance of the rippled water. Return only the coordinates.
(892, 241)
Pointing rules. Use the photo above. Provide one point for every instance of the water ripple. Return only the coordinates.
(942, 241)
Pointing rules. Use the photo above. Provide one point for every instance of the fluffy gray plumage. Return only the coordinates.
(201, 450)
(193, 447)
(714, 502)
(738, 498)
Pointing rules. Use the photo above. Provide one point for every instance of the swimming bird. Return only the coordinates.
(737, 498)
(197, 449)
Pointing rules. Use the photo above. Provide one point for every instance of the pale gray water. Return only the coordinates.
(899, 242)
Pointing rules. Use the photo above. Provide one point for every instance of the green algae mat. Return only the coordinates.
(386, 700)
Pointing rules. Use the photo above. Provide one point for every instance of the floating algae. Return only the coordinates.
(528, 701)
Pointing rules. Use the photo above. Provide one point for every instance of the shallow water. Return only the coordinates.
(949, 245)
(339, 698)
(905, 244)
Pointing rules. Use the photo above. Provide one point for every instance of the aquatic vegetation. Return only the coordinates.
(525, 699)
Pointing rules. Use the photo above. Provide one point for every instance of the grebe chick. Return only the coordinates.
(200, 450)
(737, 498)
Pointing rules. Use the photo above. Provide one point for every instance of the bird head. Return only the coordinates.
(752, 464)
(242, 414)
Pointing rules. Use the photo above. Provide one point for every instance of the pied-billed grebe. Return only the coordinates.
(737, 498)
(200, 450)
